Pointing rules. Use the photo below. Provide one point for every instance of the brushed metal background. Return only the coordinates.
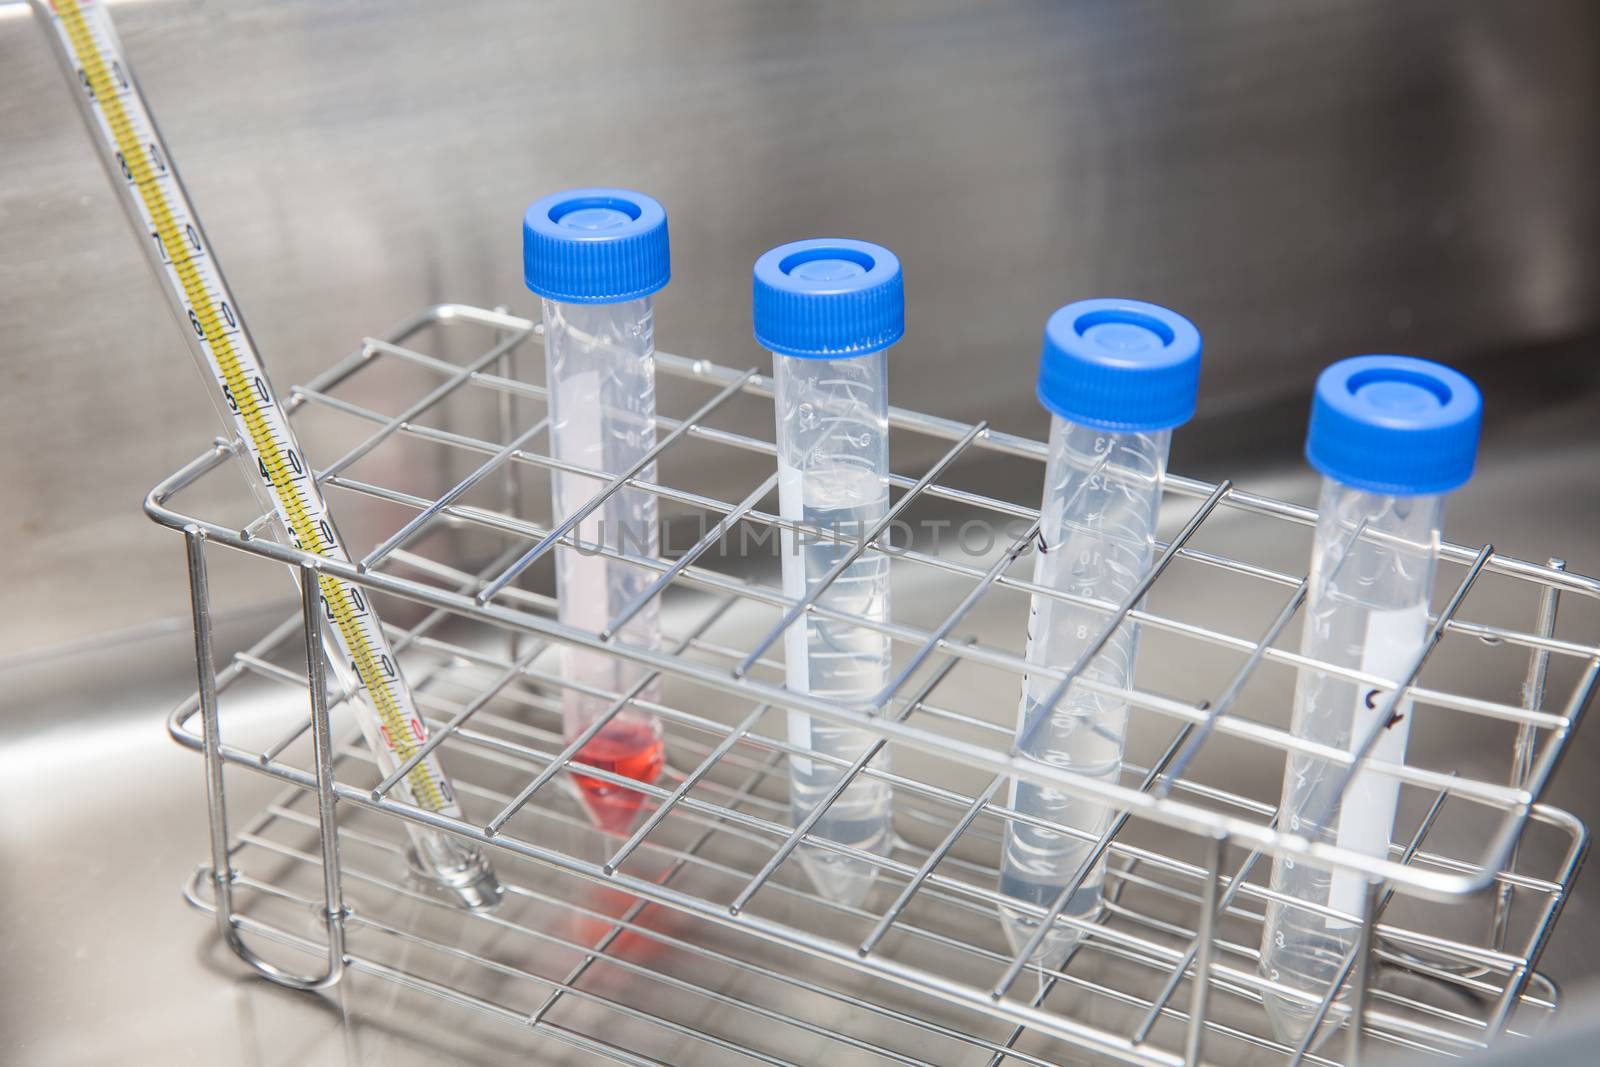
(1306, 180)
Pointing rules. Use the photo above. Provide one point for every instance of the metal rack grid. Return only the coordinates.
(1165, 976)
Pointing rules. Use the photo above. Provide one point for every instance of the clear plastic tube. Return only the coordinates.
(1372, 574)
(833, 466)
(1096, 536)
(600, 367)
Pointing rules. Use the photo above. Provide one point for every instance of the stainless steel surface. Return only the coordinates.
(1305, 181)
(941, 948)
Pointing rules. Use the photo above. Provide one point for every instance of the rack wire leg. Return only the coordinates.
(222, 874)
(333, 912)
(510, 482)
(1205, 940)
(206, 668)
(1522, 753)
(1361, 983)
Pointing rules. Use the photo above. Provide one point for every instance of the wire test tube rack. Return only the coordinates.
(696, 932)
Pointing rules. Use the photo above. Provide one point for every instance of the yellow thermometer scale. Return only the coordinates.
(143, 171)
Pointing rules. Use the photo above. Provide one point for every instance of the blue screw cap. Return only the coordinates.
(829, 298)
(1395, 425)
(595, 246)
(1120, 365)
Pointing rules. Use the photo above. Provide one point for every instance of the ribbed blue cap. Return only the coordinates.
(829, 298)
(1395, 424)
(595, 246)
(1120, 365)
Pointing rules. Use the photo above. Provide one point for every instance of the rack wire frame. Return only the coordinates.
(1232, 833)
